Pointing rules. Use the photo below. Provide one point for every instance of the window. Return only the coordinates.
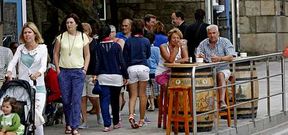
(101, 8)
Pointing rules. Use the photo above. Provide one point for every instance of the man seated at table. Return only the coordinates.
(217, 49)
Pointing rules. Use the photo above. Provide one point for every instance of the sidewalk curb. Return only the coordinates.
(260, 125)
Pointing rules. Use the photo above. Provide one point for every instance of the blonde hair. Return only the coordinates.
(87, 29)
(176, 31)
(33, 27)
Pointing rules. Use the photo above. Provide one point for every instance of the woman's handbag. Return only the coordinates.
(97, 88)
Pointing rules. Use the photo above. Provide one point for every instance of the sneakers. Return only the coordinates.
(83, 125)
(119, 125)
(146, 120)
(222, 105)
(106, 129)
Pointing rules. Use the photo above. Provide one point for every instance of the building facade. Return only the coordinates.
(253, 26)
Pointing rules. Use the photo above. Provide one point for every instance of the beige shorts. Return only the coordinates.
(226, 73)
(88, 87)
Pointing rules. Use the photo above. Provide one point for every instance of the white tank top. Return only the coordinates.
(161, 68)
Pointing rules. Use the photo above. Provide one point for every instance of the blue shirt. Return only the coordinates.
(223, 48)
(109, 59)
(136, 51)
(160, 39)
(154, 59)
(121, 35)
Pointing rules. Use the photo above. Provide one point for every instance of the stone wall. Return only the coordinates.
(161, 8)
(1, 33)
(262, 30)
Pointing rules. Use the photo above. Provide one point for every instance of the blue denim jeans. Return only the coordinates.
(109, 94)
(71, 82)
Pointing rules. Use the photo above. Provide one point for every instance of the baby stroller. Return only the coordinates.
(54, 108)
(25, 95)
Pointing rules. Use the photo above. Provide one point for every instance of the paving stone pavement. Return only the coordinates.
(152, 129)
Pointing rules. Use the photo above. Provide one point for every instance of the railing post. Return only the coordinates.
(235, 108)
(252, 91)
(194, 101)
(216, 103)
(283, 85)
(268, 89)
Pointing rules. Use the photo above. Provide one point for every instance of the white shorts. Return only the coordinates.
(226, 73)
(88, 87)
(138, 73)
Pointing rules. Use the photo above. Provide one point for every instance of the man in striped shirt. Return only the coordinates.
(6, 56)
(217, 49)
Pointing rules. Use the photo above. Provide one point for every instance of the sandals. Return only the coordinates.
(75, 132)
(106, 129)
(68, 130)
(134, 125)
(141, 123)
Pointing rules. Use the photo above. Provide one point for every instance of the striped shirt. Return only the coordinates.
(6, 56)
(223, 48)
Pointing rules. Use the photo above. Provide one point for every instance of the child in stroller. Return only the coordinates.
(10, 120)
(25, 97)
(54, 108)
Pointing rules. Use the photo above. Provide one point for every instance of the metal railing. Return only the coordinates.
(252, 60)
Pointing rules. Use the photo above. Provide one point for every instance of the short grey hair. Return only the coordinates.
(113, 28)
(212, 26)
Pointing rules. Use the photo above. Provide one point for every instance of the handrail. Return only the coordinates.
(252, 59)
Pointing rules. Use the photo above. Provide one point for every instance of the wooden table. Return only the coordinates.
(201, 82)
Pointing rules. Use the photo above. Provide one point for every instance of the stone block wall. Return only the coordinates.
(262, 29)
(1, 33)
(161, 8)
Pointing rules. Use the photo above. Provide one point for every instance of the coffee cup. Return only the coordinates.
(243, 54)
(199, 60)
